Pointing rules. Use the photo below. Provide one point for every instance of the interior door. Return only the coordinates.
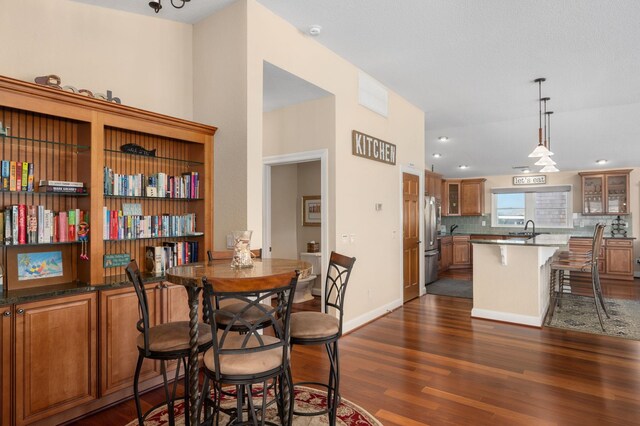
(410, 236)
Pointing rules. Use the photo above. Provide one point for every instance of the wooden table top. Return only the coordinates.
(191, 275)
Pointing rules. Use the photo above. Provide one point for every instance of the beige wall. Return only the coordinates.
(284, 196)
(145, 61)
(308, 184)
(355, 184)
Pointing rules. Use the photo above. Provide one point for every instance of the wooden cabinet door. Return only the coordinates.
(617, 195)
(433, 185)
(55, 356)
(472, 197)
(6, 340)
(118, 333)
(451, 206)
(446, 255)
(619, 258)
(175, 303)
(461, 251)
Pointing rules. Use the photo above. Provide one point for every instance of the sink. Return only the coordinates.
(527, 233)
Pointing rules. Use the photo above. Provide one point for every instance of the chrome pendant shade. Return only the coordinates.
(156, 5)
(543, 149)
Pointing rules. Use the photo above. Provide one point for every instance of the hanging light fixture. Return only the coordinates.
(541, 149)
(156, 5)
(548, 168)
(545, 160)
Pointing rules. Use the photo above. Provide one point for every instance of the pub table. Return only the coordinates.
(190, 276)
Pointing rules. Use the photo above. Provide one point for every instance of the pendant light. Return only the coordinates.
(545, 160)
(541, 149)
(548, 168)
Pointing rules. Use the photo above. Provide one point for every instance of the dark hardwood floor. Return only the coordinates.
(430, 363)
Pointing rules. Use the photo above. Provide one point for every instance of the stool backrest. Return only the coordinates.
(596, 245)
(338, 274)
(228, 254)
(133, 273)
(267, 299)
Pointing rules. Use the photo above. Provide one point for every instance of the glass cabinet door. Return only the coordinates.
(617, 197)
(454, 199)
(592, 196)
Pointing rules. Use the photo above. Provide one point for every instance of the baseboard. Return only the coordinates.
(636, 274)
(507, 317)
(370, 316)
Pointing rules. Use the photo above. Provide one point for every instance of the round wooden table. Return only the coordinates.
(190, 276)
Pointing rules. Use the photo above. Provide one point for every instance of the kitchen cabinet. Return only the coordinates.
(55, 356)
(6, 339)
(463, 197)
(472, 197)
(615, 259)
(605, 192)
(446, 253)
(461, 257)
(433, 185)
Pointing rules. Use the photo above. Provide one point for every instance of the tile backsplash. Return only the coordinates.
(582, 225)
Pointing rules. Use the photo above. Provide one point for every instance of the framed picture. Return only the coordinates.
(311, 210)
(35, 266)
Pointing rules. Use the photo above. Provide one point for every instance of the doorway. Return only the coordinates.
(410, 236)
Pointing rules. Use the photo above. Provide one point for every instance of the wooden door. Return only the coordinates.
(472, 197)
(410, 236)
(118, 333)
(56, 356)
(461, 251)
(619, 257)
(6, 339)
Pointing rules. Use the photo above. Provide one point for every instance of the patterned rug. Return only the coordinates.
(306, 400)
(579, 313)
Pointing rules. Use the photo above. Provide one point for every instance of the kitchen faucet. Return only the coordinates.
(534, 227)
(452, 228)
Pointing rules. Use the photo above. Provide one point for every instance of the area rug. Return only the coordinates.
(579, 313)
(451, 287)
(306, 400)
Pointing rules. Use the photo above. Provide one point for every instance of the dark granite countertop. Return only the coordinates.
(543, 240)
(507, 234)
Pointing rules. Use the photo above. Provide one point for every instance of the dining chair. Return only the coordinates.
(578, 262)
(325, 328)
(163, 342)
(256, 357)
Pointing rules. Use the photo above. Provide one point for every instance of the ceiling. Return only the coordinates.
(469, 65)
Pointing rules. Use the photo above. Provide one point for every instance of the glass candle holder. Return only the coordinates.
(242, 250)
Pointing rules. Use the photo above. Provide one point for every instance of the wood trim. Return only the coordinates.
(6, 360)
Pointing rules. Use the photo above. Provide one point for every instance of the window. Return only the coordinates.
(548, 207)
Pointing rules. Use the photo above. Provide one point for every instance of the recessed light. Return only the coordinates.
(601, 161)
(436, 155)
(315, 30)
(526, 171)
(463, 166)
(443, 139)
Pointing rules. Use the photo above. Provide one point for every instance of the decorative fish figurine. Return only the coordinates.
(132, 148)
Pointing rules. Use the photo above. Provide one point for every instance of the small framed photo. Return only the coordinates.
(34, 266)
(311, 210)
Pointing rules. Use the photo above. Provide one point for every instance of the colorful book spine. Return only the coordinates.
(61, 183)
(8, 232)
(12, 176)
(71, 225)
(63, 227)
(5, 175)
(30, 178)
(25, 176)
(22, 224)
(32, 224)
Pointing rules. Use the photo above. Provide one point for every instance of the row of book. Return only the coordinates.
(160, 258)
(158, 185)
(16, 175)
(117, 226)
(35, 224)
(62, 186)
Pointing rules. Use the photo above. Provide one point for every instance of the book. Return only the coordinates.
(5, 175)
(71, 225)
(25, 175)
(32, 224)
(61, 183)
(22, 224)
(14, 224)
(154, 259)
(8, 233)
(12, 176)
(30, 178)
(67, 189)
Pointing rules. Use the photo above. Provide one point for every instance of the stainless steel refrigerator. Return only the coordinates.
(431, 226)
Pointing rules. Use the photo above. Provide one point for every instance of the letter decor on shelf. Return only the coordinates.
(366, 146)
(54, 81)
(530, 180)
(132, 148)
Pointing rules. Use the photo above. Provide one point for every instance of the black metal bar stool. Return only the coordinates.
(164, 342)
(325, 328)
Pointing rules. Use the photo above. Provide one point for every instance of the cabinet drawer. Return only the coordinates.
(618, 243)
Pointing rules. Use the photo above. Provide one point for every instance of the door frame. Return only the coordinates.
(268, 162)
(412, 170)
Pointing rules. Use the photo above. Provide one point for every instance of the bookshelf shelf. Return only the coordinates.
(155, 238)
(44, 194)
(47, 143)
(40, 244)
(142, 157)
(153, 198)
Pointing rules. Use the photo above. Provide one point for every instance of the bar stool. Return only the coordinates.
(255, 357)
(162, 342)
(324, 328)
(576, 262)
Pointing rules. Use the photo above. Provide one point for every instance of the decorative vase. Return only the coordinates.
(241, 250)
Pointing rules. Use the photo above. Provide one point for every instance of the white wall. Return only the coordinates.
(308, 184)
(145, 61)
(284, 201)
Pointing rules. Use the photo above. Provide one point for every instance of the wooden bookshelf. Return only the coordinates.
(72, 137)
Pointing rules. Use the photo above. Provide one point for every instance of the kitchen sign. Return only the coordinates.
(530, 180)
(366, 146)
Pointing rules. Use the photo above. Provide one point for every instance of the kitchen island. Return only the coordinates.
(511, 278)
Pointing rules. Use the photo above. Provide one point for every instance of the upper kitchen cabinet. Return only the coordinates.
(433, 185)
(605, 192)
(463, 197)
